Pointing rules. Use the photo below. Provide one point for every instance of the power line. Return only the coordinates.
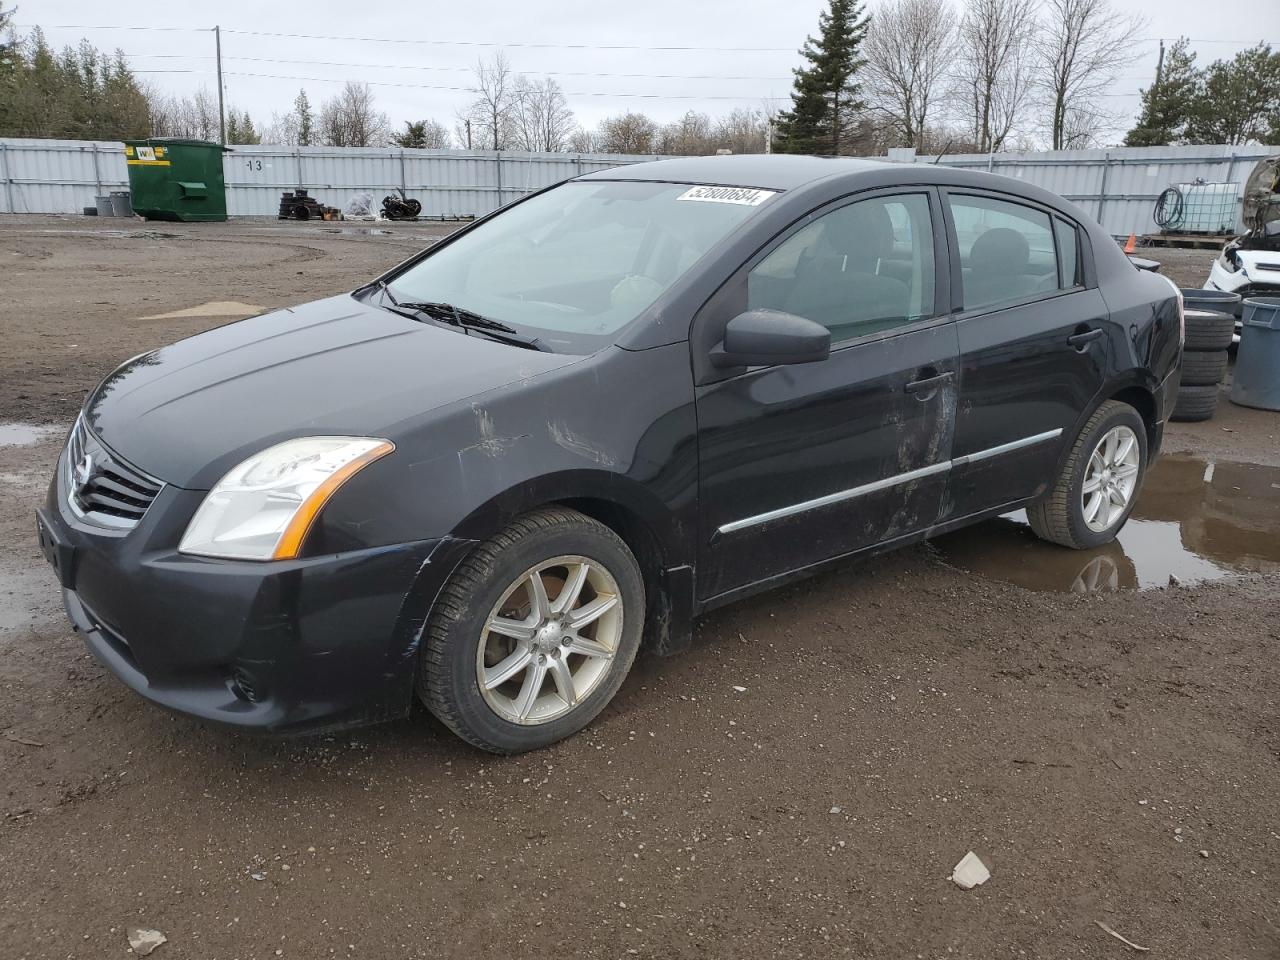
(416, 40)
(487, 43)
(494, 43)
(408, 66)
(428, 86)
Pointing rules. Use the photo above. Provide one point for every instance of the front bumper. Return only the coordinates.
(306, 644)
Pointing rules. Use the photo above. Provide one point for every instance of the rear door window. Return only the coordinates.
(1007, 251)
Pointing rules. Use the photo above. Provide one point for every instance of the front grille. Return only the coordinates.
(102, 486)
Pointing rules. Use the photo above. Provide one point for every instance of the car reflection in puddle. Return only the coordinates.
(1195, 521)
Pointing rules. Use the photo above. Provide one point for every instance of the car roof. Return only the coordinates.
(766, 171)
(784, 172)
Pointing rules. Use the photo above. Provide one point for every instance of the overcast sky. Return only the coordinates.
(412, 54)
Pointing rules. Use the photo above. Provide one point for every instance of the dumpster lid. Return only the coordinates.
(178, 141)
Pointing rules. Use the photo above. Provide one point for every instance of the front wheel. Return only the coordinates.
(1099, 482)
(533, 633)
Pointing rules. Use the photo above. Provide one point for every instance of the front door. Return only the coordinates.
(802, 463)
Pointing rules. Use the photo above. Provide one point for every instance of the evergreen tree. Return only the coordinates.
(9, 64)
(82, 93)
(248, 133)
(1239, 99)
(1167, 105)
(825, 101)
(306, 120)
(240, 128)
(414, 136)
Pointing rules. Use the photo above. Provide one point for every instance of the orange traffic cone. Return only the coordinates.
(1131, 245)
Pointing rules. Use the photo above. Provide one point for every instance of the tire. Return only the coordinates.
(1195, 403)
(1059, 516)
(459, 644)
(1203, 367)
(1209, 330)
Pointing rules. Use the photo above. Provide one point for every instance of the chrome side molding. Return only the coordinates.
(877, 485)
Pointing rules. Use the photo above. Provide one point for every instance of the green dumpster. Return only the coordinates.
(174, 179)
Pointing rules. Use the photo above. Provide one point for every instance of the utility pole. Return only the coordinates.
(222, 118)
(468, 123)
(1160, 64)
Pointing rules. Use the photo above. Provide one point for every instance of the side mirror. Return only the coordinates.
(768, 337)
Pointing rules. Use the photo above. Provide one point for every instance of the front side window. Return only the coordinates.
(863, 268)
(574, 265)
(1007, 251)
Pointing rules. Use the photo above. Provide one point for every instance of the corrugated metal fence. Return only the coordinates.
(62, 176)
(1118, 186)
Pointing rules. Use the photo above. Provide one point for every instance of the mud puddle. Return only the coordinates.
(1196, 520)
(25, 434)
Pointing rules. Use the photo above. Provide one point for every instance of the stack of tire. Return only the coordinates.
(1211, 323)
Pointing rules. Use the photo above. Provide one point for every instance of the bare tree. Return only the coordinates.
(194, 117)
(352, 119)
(540, 116)
(742, 131)
(993, 76)
(1081, 49)
(628, 133)
(282, 130)
(690, 136)
(490, 114)
(584, 141)
(909, 50)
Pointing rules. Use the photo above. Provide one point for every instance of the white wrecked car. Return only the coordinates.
(1250, 264)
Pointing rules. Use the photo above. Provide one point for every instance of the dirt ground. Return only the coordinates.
(1113, 757)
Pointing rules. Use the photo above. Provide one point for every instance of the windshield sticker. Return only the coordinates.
(740, 195)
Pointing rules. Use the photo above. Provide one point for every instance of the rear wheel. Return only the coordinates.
(534, 632)
(1099, 482)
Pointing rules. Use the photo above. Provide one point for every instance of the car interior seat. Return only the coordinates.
(998, 269)
(838, 284)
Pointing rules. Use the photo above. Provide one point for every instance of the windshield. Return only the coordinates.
(574, 265)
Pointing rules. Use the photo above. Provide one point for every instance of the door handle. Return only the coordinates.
(1082, 340)
(927, 385)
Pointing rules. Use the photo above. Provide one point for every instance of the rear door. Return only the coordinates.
(802, 463)
(1034, 335)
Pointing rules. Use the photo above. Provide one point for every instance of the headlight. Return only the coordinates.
(262, 509)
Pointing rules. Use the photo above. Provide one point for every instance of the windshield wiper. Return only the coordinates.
(463, 319)
(458, 316)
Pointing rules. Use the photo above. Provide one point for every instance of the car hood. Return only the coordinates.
(1262, 266)
(189, 412)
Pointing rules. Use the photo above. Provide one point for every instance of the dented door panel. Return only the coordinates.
(784, 437)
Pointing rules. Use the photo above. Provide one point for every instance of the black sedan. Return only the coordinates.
(492, 475)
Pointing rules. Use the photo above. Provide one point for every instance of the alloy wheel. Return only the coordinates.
(550, 640)
(1110, 479)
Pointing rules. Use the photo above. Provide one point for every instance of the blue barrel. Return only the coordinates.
(1256, 381)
